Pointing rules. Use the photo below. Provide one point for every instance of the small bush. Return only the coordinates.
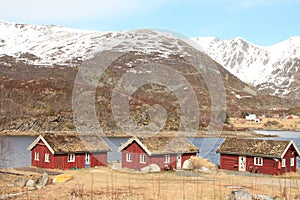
(49, 111)
(271, 123)
(201, 162)
(69, 126)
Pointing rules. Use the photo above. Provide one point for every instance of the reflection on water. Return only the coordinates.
(282, 134)
(21, 157)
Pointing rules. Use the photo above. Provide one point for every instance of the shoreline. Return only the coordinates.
(200, 134)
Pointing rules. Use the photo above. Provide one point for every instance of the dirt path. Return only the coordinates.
(39, 170)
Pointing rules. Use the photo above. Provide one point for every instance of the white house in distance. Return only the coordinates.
(251, 117)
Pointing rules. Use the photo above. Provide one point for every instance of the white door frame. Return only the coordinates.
(242, 163)
(178, 159)
(87, 160)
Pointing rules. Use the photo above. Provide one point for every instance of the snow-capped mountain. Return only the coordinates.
(49, 44)
(52, 44)
(274, 69)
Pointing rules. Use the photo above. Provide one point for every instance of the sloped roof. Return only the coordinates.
(162, 145)
(67, 143)
(256, 147)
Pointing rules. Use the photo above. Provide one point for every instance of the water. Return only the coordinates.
(282, 134)
(20, 157)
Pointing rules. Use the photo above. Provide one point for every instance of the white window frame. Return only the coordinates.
(258, 161)
(283, 162)
(292, 162)
(37, 156)
(71, 157)
(128, 157)
(167, 159)
(143, 159)
(47, 157)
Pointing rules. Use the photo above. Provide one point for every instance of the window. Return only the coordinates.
(47, 157)
(128, 157)
(71, 157)
(258, 161)
(292, 162)
(143, 159)
(167, 159)
(37, 156)
(283, 162)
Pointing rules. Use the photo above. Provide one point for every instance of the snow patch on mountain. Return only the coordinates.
(271, 68)
(61, 45)
(51, 44)
(274, 69)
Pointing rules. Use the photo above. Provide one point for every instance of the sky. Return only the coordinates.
(262, 22)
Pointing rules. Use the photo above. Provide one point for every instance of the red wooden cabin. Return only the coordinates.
(166, 152)
(57, 151)
(272, 157)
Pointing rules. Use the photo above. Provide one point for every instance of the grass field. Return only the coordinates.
(104, 183)
(267, 124)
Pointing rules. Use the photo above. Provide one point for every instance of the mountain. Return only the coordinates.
(48, 45)
(271, 69)
(39, 66)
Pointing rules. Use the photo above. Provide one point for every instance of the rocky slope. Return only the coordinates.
(272, 69)
(39, 65)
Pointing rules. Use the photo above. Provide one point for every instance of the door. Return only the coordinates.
(242, 163)
(178, 164)
(87, 161)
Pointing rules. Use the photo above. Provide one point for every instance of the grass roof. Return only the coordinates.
(72, 142)
(254, 147)
(163, 145)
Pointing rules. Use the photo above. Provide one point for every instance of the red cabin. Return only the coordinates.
(272, 157)
(68, 151)
(166, 152)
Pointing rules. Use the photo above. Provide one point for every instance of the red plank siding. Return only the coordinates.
(60, 161)
(270, 166)
(229, 162)
(136, 151)
(288, 168)
(42, 149)
(98, 159)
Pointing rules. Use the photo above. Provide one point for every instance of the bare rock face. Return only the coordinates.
(30, 183)
(42, 181)
(187, 165)
(36, 86)
(151, 168)
(244, 195)
(240, 195)
(20, 182)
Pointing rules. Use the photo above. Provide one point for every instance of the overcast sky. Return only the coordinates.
(262, 22)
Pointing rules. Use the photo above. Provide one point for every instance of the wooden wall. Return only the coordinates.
(270, 166)
(60, 161)
(136, 151)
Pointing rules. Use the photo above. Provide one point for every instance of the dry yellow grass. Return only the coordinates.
(201, 162)
(104, 183)
(267, 124)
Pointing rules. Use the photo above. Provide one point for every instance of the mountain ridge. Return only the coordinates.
(271, 69)
(39, 98)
